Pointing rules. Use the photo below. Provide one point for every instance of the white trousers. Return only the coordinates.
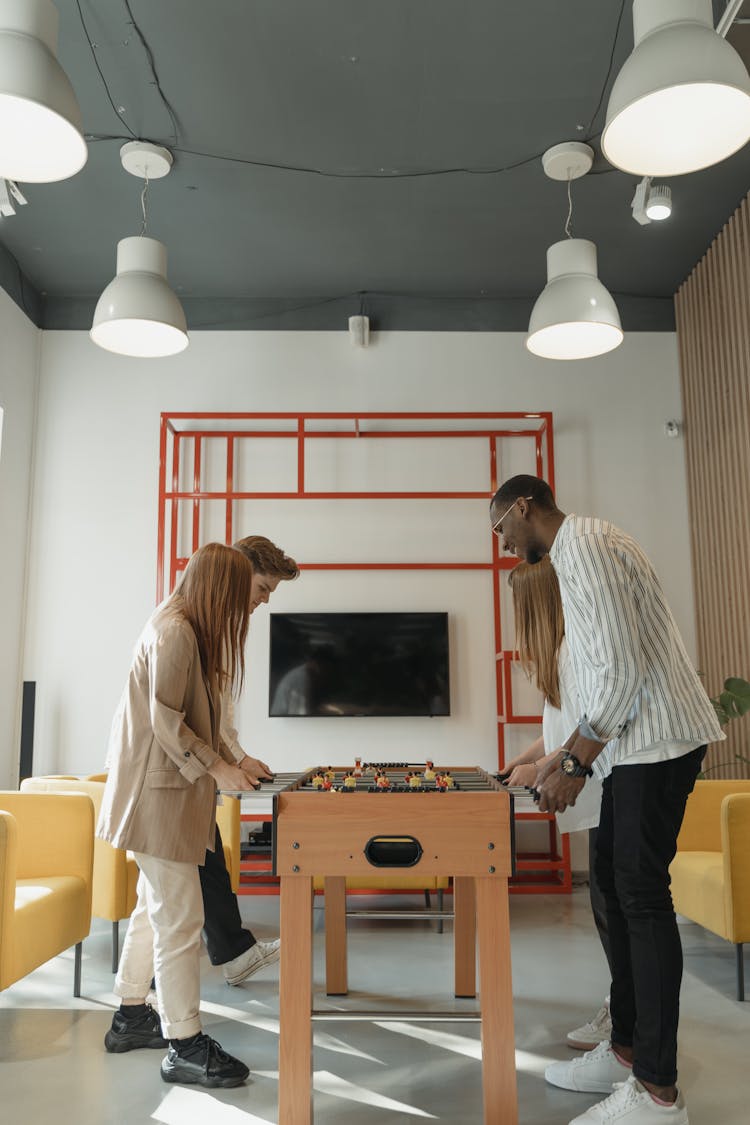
(163, 941)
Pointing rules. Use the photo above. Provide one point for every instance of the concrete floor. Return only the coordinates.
(53, 1066)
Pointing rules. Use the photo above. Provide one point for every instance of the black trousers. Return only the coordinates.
(222, 927)
(642, 810)
(598, 901)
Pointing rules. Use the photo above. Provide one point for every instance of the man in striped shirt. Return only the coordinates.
(642, 699)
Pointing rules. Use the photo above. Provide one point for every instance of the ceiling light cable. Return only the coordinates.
(144, 194)
(568, 226)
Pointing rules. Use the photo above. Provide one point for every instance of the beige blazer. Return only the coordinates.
(159, 798)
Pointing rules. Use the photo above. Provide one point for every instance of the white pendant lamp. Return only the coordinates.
(138, 314)
(682, 99)
(41, 134)
(575, 316)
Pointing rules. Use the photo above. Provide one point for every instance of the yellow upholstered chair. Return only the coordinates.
(115, 871)
(711, 871)
(228, 820)
(46, 865)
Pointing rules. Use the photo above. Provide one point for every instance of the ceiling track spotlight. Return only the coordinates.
(681, 101)
(652, 203)
(575, 317)
(10, 197)
(138, 314)
(41, 132)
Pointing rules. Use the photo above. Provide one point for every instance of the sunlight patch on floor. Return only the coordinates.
(194, 1107)
(326, 1083)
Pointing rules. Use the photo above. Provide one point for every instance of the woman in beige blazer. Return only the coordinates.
(166, 760)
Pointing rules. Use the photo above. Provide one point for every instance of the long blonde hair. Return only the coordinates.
(539, 624)
(214, 596)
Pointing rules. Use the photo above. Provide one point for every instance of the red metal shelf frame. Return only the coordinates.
(548, 871)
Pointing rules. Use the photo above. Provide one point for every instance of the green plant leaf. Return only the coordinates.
(734, 701)
(740, 692)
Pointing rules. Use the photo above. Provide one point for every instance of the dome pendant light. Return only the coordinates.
(682, 99)
(41, 134)
(575, 317)
(138, 314)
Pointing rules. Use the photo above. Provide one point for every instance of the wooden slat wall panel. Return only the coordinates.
(713, 329)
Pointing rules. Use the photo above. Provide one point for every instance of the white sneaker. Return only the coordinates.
(597, 1030)
(593, 1073)
(631, 1104)
(248, 963)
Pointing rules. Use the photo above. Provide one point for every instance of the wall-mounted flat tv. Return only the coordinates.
(336, 664)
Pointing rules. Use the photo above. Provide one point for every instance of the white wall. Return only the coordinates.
(92, 579)
(19, 368)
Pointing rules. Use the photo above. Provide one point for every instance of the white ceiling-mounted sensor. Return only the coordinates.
(146, 161)
(359, 331)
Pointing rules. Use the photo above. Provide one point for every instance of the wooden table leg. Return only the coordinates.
(337, 983)
(496, 993)
(295, 1002)
(464, 936)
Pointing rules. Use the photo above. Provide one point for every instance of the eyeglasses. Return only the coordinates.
(497, 523)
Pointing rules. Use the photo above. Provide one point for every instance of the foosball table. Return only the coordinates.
(393, 818)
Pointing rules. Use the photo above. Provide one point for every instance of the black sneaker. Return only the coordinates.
(129, 1034)
(203, 1063)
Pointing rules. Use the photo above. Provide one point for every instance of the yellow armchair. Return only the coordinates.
(228, 820)
(711, 871)
(46, 864)
(115, 871)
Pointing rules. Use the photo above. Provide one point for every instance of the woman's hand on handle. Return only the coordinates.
(229, 776)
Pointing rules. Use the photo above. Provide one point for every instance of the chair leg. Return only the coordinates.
(441, 897)
(77, 970)
(740, 971)
(427, 899)
(115, 945)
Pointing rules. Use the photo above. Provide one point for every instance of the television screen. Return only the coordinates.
(329, 664)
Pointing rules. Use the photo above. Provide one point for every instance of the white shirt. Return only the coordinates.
(637, 686)
(557, 727)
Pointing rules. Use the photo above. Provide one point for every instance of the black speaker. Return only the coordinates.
(26, 760)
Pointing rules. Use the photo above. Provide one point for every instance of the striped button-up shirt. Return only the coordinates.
(635, 680)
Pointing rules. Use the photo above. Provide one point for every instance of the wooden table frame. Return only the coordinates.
(310, 840)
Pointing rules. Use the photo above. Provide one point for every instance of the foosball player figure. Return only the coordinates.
(429, 773)
(330, 773)
(415, 781)
(350, 781)
(448, 779)
(318, 779)
(440, 783)
(358, 767)
(327, 783)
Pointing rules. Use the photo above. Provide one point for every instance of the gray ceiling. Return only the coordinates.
(359, 93)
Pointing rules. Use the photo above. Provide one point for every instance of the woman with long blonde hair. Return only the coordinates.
(543, 654)
(166, 760)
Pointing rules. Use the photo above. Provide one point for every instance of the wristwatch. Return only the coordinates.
(573, 768)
